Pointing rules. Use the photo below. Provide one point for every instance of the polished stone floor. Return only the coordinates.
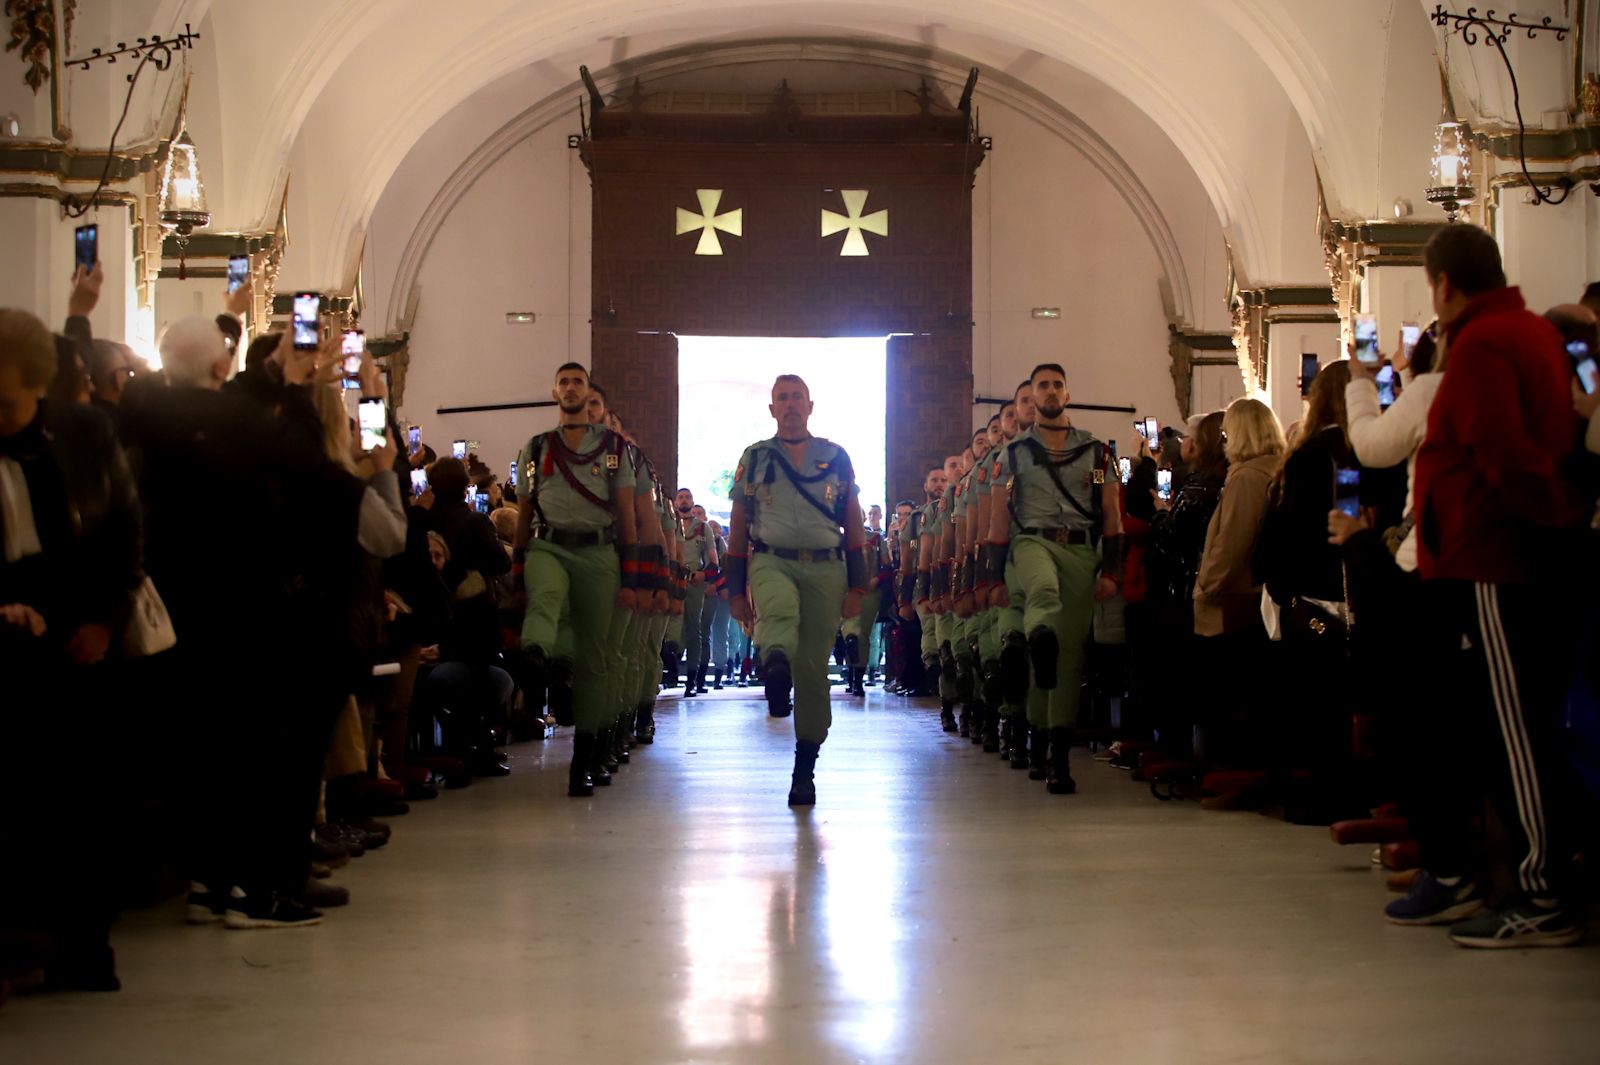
(934, 907)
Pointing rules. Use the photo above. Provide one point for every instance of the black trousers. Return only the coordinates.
(1497, 664)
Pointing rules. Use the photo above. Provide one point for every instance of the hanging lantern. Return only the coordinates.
(183, 196)
(1450, 177)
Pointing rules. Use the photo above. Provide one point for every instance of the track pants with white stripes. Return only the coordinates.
(1496, 668)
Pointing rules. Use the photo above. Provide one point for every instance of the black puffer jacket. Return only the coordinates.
(1178, 535)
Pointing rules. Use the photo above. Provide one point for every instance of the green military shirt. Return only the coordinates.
(596, 464)
(784, 514)
(1037, 503)
(697, 547)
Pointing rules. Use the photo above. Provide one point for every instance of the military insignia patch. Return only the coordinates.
(1099, 476)
(827, 495)
(595, 471)
(611, 462)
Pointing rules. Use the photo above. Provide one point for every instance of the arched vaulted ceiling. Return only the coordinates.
(337, 95)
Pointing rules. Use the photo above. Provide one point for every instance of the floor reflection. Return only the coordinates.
(814, 940)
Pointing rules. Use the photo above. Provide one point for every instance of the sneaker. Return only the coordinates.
(1430, 902)
(267, 912)
(204, 905)
(1520, 924)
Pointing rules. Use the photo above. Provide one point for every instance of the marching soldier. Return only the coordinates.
(699, 556)
(914, 578)
(795, 543)
(933, 585)
(575, 515)
(1064, 501)
(976, 716)
(721, 617)
(859, 630)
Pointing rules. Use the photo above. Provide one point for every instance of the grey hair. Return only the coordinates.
(190, 348)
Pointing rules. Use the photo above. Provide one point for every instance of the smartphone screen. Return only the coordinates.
(1152, 431)
(373, 420)
(512, 480)
(1367, 340)
(1347, 491)
(1138, 427)
(1125, 468)
(238, 271)
(1410, 333)
(458, 448)
(86, 247)
(1164, 484)
(1584, 365)
(419, 482)
(480, 502)
(1385, 382)
(307, 305)
(413, 439)
(353, 345)
(1308, 372)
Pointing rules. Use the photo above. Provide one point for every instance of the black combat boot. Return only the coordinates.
(560, 681)
(1043, 649)
(852, 650)
(1019, 742)
(991, 729)
(993, 741)
(716, 679)
(967, 721)
(1058, 779)
(947, 715)
(599, 755)
(1038, 753)
(777, 681)
(1006, 739)
(619, 745)
(580, 784)
(644, 724)
(803, 789)
(980, 717)
(669, 664)
(966, 679)
(532, 675)
(1014, 669)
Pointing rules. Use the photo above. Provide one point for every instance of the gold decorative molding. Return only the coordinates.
(33, 37)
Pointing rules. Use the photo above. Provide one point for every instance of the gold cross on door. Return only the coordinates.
(708, 221)
(855, 200)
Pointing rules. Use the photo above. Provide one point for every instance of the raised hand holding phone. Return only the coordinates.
(85, 290)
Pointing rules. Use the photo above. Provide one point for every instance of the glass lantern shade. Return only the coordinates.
(183, 193)
(1452, 157)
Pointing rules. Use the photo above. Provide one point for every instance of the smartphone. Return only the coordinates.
(419, 482)
(354, 345)
(238, 272)
(1308, 372)
(373, 420)
(480, 501)
(86, 247)
(512, 480)
(307, 328)
(1139, 427)
(1125, 468)
(1367, 340)
(1385, 382)
(458, 448)
(1347, 491)
(1410, 333)
(1164, 484)
(1152, 430)
(413, 439)
(1583, 364)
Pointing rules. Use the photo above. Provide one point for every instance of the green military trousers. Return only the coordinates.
(797, 612)
(945, 633)
(861, 626)
(930, 637)
(1008, 620)
(692, 641)
(1057, 585)
(578, 586)
(647, 657)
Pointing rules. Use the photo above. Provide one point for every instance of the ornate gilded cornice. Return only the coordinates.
(33, 37)
(1543, 145)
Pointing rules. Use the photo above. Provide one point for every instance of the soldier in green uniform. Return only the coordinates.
(711, 582)
(670, 592)
(700, 556)
(1013, 654)
(981, 641)
(858, 631)
(721, 617)
(933, 584)
(1063, 500)
(980, 718)
(575, 517)
(795, 543)
(914, 578)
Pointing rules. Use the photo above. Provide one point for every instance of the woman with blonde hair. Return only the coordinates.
(1227, 599)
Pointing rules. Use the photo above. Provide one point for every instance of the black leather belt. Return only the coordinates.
(1060, 536)
(575, 537)
(803, 554)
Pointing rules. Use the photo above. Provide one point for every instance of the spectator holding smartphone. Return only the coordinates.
(1493, 517)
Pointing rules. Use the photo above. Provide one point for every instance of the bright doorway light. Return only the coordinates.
(725, 387)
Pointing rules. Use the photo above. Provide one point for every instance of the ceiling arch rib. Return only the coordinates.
(1109, 43)
(947, 71)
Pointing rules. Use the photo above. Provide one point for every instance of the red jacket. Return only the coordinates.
(1488, 473)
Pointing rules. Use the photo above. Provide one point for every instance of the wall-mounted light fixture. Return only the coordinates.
(183, 196)
(1047, 312)
(520, 317)
(1450, 175)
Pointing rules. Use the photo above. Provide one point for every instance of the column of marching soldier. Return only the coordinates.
(1001, 565)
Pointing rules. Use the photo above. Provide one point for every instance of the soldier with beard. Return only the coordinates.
(575, 518)
(1062, 494)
